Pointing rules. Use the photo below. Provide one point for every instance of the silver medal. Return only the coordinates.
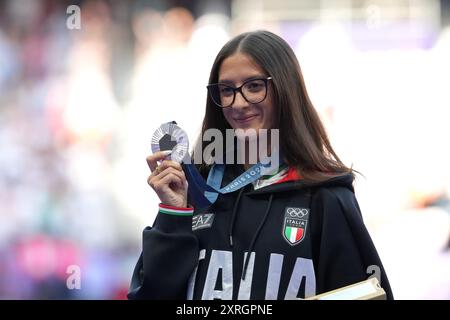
(171, 137)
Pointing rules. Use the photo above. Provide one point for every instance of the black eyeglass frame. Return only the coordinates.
(238, 89)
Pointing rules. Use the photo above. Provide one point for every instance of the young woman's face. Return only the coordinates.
(234, 71)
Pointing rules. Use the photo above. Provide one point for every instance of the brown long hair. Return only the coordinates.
(303, 140)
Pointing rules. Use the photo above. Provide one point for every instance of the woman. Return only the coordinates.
(302, 225)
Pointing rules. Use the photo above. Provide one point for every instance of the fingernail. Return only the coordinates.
(166, 152)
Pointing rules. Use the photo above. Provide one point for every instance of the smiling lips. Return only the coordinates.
(245, 119)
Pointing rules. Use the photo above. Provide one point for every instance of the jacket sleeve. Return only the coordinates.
(343, 250)
(169, 256)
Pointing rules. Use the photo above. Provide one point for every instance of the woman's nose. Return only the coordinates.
(239, 101)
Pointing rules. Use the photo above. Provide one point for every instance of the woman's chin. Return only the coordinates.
(250, 125)
(247, 133)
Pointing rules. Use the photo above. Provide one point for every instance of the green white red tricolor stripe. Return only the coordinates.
(293, 234)
(176, 211)
(284, 174)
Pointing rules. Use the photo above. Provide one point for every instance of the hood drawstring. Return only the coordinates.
(252, 243)
(233, 217)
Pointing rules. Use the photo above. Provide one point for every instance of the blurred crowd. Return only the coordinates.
(62, 94)
(78, 108)
(57, 207)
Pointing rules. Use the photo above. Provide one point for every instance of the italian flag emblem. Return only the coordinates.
(294, 226)
(293, 234)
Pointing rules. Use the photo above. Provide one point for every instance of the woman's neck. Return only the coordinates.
(247, 163)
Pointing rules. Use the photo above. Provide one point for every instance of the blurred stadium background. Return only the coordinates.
(78, 108)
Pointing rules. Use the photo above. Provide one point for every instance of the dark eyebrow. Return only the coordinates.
(229, 82)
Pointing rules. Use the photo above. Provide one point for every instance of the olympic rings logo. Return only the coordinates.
(297, 212)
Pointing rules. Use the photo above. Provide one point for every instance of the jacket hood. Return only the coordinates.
(345, 180)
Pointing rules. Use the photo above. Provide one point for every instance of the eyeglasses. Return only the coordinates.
(253, 91)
